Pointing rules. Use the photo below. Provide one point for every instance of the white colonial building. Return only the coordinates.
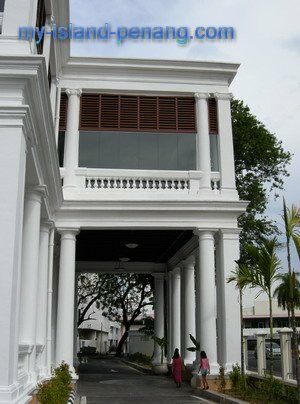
(106, 159)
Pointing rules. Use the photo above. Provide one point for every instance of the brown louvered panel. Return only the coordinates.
(148, 113)
(63, 111)
(186, 117)
(89, 117)
(109, 116)
(128, 112)
(212, 116)
(167, 113)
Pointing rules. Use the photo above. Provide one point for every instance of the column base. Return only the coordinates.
(228, 366)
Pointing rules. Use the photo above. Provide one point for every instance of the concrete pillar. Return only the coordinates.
(65, 304)
(202, 140)
(42, 296)
(245, 349)
(227, 170)
(286, 353)
(176, 329)
(158, 315)
(261, 353)
(49, 302)
(189, 309)
(72, 138)
(12, 179)
(30, 272)
(206, 333)
(228, 312)
(182, 311)
(169, 317)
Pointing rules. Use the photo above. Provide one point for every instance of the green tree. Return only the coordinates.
(240, 276)
(263, 275)
(283, 293)
(291, 219)
(260, 166)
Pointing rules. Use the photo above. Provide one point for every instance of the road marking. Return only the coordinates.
(201, 399)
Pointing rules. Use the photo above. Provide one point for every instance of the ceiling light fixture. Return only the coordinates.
(131, 245)
(124, 259)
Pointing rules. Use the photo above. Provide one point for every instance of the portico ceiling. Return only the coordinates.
(156, 246)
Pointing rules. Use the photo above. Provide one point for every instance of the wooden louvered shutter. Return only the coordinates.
(129, 112)
(212, 116)
(186, 116)
(148, 113)
(109, 112)
(167, 113)
(63, 112)
(89, 116)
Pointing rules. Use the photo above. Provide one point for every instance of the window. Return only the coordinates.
(137, 150)
(214, 152)
(40, 22)
(2, 6)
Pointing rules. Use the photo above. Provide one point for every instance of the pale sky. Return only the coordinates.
(267, 46)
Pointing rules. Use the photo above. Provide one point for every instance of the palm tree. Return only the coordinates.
(264, 274)
(291, 218)
(284, 295)
(241, 278)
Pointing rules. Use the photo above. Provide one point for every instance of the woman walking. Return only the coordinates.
(204, 369)
(176, 367)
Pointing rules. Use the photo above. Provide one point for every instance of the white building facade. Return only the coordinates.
(148, 174)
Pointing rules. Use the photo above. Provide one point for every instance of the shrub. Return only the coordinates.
(221, 380)
(237, 380)
(140, 358)
(57, 390)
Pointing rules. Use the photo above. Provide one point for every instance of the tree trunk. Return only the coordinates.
(122, 341)
(271, 334)
(242, 338)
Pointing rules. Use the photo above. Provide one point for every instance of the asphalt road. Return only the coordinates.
(111, 381)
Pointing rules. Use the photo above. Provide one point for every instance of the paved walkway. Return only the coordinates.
(110, 381)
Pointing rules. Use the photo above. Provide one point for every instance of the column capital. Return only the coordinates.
(223, 96)
(36, 192)
(201, 96)
(189, 262)
(68, 233)
(229, 234)
(159, 276)
(285, 330)
(176, 272)
(204, 234)
(73, 91)
(46, 225)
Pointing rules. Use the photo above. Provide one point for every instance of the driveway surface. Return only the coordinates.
(111, 381)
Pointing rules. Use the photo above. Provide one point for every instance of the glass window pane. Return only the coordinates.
(214, 152)
(109, 150)
(167, 152)
(88, 149)
(186, 151)
(129, 150)
(148, 151)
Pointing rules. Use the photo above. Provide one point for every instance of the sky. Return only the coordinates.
(267, 45)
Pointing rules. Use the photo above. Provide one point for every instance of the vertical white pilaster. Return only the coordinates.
(176, 328)
(207, 298)
(42, 295)
(30, 272)
(158, 315)
(49, 301)
(202, 140)
(228, 314)
(286, 353)
(72, 138)
(65, 305)
(47, 41)
(57, 109)
(169, 316)
(189, 309)
(227, 169)
(261, 352)
(12, 179)
(182, 311)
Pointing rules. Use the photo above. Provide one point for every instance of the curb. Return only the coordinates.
(218, 397)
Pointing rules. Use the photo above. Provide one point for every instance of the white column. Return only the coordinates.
(227, 170)
(182, 310)
(228, 313)
(189, 309)
(202, 140)
(47, 41)
(261, 353)
(72, 138)
(197, 305)
(176, 329)
(158, 315)
(65, 304)
(30, 272)
(12, 179)
(206, 331)
(286, 353)
(42, 295)
(169, 316)
(57, 109)
(49, 301)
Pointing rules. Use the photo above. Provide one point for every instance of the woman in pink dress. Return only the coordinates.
(204, 369)
(176, 367)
